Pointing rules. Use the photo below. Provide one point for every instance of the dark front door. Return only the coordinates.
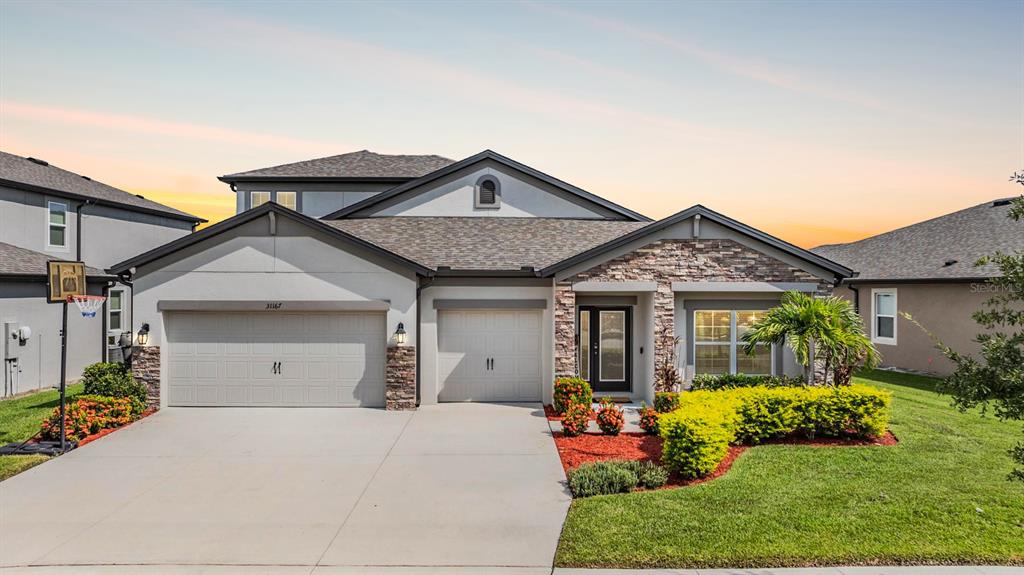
(605, 340)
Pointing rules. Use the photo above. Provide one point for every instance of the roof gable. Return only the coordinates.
(39, 176)
(608, 248)
(410, 189)
(274, 210)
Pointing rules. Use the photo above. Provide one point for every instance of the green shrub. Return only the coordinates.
(697, 434)
(666, 401)
(732, 380)
(576, 419)
(615, 476)
(648, 474)
(569, 390)
(114, 380)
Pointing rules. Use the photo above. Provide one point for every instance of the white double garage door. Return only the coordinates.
(338, 359)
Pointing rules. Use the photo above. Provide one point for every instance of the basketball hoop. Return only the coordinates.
(87, 304)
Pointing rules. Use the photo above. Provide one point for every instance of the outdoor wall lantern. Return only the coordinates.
(400, 334)
(143, 338)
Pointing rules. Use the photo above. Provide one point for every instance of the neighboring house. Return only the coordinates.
(47, 213)
(926, 270)
(479, 280)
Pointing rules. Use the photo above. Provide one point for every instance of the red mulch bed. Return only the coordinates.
(549, 411)
(104, 432)
(575, 451)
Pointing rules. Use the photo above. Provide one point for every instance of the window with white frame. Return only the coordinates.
(257, 199)
(57, 225)
(288, 199)
(718, 343)
(115, 316)
(883, 316)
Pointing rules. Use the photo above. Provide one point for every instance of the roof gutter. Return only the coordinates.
(525, 271)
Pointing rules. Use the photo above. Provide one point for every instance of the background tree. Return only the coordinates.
(997, 378)
(816, 329)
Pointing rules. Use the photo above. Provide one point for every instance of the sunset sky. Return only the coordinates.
(818, 122)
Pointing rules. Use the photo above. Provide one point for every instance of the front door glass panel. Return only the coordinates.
(613, 345)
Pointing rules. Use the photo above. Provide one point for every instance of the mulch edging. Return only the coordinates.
(104, 432)
(588, 447)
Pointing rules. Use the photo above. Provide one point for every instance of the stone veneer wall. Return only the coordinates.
(146, 369)
(400, 392)
(664, 262)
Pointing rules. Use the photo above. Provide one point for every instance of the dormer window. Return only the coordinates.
(488, 193)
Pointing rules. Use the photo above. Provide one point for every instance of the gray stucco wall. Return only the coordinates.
(315, 199)
(944, 309)
(295, 265)
(38, 363)
(109, 235)
(520, 196)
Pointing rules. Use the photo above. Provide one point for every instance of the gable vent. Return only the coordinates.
(487, 192)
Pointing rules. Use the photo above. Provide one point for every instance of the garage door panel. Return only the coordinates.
(331, 359)
(508, 340)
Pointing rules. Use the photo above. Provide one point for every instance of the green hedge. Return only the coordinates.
(114, 380)
(731, 380)
(615, 476)
(698, 433)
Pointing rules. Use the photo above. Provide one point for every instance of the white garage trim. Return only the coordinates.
(272, 305)
(275, 359)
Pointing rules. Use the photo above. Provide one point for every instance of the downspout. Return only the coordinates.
(419, 289)
(856, 297)
(78, 228)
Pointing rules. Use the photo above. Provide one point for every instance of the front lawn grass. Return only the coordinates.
(939, 496)
(20, 419)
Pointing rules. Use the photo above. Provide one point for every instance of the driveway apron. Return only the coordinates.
(447, 485)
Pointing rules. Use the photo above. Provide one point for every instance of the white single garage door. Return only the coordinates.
(489, 355)
(275, 359)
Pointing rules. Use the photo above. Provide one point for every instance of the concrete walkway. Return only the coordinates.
(274, 490)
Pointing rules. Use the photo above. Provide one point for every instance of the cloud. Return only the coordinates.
(753, 70)
(137, 124)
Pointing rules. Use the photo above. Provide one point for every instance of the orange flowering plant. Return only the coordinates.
(570, 390)
(88, 414)
(610, 418)
(648, 419)
(576, 419)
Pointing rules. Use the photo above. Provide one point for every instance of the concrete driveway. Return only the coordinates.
(448, 485)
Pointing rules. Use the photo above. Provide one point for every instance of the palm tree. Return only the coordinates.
(816, 328)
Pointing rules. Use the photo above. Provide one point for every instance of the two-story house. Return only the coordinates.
(374, 280)
(47, 213)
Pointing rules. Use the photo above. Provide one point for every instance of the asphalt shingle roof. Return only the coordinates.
(923, 250)
(20, 261)
(42, 175)
(485, 243)
(361, 164)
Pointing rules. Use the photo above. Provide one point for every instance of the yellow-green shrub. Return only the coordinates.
(697, 435)
(698, 432)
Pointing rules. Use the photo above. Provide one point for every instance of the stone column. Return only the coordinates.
(664, 329)
(565, 331)
(400, 394)
(146, 370)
